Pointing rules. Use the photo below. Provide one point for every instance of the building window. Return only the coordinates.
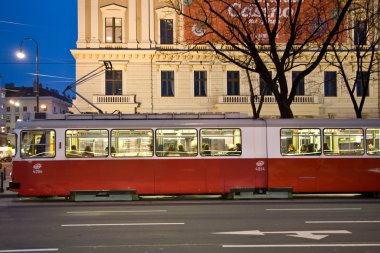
(233, 83)
(114, 82)
(35, 109)
(24, 108)
(167, 83)
(362, 79)
(113, 30)
(264, 88)
(166, 31)
(200, 83)
(360, 33)
(8, 109)
(301, 85)
(330, 84)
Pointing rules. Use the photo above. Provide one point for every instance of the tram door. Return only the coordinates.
(259, 152)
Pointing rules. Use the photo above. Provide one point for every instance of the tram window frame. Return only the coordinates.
(164, 151)
(212, 150)
(116, 147)
(372, 149)
(78, 154)
(297, 151)
(35, 145)
(328, 150)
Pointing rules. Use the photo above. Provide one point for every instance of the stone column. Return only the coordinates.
(94, 23)
(145, 24)
(132, 32)
(81, 42)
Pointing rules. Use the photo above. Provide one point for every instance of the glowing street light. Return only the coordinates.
(21, 55)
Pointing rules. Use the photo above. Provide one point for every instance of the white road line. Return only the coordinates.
(313, 209)
(132, 211)
(120, 224)
(27, 250)
(304, 245)
(342, 221)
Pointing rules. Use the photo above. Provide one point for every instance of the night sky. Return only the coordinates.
(53, 24)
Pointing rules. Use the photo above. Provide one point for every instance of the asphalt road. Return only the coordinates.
(312, 225)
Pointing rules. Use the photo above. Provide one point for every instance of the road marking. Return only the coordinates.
(120, 224)
(343, 221)
(135, 211)
(314, 235)
(27, 250)
(314, 209)
(304, 245)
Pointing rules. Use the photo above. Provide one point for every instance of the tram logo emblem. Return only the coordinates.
(260, 166)
(37, 168)
(260, 163)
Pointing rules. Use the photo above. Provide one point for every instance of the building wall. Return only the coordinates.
(18, 107)
(141, 57)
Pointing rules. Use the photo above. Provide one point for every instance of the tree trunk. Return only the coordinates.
(285, 110)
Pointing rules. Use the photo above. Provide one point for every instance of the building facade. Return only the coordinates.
(153, 72)
(21, 101)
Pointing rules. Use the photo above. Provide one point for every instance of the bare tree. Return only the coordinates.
(266, 36)
(360, 51)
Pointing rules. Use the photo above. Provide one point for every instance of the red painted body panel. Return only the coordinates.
(325, 174)
(146, 176)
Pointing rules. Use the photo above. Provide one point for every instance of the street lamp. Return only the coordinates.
(20, 54)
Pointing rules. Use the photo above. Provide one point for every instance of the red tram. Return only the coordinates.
(194, 154)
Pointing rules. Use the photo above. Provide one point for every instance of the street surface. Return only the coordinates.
(296, 225)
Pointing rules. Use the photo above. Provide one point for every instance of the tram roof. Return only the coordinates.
(42, 120)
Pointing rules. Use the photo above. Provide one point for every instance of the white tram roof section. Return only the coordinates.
(182, 120)
(140, 121)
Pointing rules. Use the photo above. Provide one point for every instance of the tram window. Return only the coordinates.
(220, 142)
(82, 143)
(343, 141)
(300, 142)
(125, 143)
(373, 141)
(38, 143)
(176, 142)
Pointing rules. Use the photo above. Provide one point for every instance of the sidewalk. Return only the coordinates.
(4, 193)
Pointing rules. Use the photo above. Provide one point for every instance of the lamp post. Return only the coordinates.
(20, 54)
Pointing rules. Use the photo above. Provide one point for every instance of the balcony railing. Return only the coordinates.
(267, 99)
(114, 99)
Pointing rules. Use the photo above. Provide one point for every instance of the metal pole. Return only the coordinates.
(37, 79)
(2, 183)
(37, 91)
